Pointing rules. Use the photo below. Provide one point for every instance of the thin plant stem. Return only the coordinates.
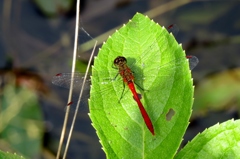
(79, 101)
(71, 85)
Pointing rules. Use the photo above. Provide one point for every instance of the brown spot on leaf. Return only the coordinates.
(170, 114)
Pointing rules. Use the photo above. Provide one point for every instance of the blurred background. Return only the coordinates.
(36, 42)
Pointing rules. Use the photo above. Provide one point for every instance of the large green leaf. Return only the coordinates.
(161, 69)
(219, 141)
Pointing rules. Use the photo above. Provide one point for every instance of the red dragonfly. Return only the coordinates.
(127, 75)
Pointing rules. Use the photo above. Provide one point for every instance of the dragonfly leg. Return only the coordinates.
(140, 87)
(122, 92)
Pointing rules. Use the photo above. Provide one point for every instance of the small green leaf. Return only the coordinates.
(161, 69)
(219, 141)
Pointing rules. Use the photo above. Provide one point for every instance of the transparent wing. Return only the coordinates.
(193, 61)
(64, 80)
(173, 28)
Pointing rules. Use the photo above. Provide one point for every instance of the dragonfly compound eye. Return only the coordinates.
(119, 60)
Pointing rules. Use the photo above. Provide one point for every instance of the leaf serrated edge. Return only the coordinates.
(218, 124)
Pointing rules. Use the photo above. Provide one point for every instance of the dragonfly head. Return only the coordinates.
(119, 61)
